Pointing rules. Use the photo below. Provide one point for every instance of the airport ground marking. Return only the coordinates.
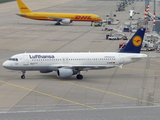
(92, 89)
(141, 69)
(108, 92)
(46, 94)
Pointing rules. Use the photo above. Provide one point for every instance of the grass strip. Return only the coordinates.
(3, 1)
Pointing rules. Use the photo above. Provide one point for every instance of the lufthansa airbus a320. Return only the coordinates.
(68, 64)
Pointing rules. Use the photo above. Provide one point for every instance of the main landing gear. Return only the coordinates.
(91, 23)
(57, 23)
(23, 75)
(79, 77)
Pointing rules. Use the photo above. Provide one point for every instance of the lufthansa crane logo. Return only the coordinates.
(137, 41)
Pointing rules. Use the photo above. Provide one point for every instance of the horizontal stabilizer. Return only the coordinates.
(120, 66)
(21, 14)
(140, 56)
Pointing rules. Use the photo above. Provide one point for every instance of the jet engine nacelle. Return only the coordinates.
(66, 21)
(64, 73)
(45, 71)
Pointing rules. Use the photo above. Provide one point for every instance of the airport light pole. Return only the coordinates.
(154, 20)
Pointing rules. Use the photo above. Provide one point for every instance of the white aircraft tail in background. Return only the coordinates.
(132, 13)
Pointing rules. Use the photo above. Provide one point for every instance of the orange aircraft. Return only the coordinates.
(65, 18)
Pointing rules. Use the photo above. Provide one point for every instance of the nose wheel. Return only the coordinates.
(23, 75)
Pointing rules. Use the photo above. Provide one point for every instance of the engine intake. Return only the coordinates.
(66, 21)
(64, 73)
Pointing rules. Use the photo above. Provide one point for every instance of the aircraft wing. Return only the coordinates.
(82, 67)
(56, 19)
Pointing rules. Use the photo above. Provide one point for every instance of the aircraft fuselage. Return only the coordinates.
(82, 61)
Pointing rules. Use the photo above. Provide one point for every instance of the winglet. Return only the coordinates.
(135, 43)
(23, 7)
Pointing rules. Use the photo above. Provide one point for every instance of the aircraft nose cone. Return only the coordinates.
(5, 65)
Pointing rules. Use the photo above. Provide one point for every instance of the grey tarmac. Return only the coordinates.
(130, 93)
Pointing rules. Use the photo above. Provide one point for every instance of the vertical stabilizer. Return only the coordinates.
(23, 7)
(135, 43)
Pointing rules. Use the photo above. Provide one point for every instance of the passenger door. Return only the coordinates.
(25, 60)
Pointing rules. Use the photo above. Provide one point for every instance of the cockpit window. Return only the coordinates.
(13, 59)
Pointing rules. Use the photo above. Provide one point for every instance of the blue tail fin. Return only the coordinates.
(135, 43)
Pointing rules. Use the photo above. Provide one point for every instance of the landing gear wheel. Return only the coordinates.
(79, 77)
(23, 76)
(58, 23)
(91, 23)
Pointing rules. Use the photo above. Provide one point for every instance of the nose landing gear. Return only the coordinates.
(23, 75)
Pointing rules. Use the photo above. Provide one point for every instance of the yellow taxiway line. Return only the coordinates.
(87, 88)
(108, 92)
(46, 94)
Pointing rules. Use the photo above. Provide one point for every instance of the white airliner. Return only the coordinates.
(132, 13)
(68, 64)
